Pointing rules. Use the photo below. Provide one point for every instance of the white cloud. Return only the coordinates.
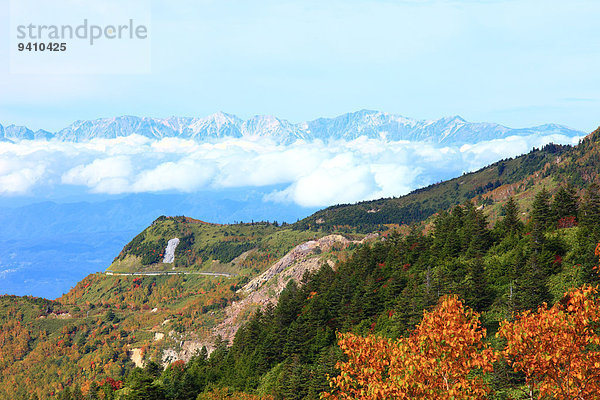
(340, 179)
(185, 176)
(5, 272)
(269, 165)
(313, 174)
(394, 180)
(20, 181)
(106, 175)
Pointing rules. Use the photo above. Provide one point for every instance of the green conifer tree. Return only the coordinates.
(511, 222)
(477, 293)
(589, 215)
(565, 202)
(541, 218)
(142, 386)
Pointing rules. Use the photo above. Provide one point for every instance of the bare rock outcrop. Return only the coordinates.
(189, 349)
(170, 251)
(266, 288)
(137, 356)
(298, 253)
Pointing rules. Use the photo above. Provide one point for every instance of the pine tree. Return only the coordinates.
(589, 215)
(142, 386)
(446, 245)
(293, 385)
(511, 221)
(565, 202)
(477, 293)
(477, 230)
(153, 369)
(530, 288)
(541, 218)
(541, 212)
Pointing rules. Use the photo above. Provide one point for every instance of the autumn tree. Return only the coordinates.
(442, 359)
(557, 347)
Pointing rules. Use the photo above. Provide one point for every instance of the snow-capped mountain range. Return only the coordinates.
(372, 124)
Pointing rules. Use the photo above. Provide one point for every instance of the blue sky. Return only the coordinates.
(519, 63)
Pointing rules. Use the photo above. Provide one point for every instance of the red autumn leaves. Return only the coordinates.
(556, 348)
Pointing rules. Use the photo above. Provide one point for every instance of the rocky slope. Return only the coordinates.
(260, 292)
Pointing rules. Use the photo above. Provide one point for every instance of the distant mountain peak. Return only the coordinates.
(370, 123)
(455, 118)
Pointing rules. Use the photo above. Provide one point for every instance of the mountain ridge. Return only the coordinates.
(372, 124)
(577, 165)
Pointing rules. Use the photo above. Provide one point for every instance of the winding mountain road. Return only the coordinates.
(164, 273)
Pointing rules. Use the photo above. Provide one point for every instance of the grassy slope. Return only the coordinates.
(208, 247)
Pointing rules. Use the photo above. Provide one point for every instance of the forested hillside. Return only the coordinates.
(110, 321)
(504, 248)
(519, 263)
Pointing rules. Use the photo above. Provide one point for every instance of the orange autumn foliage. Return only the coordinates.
(557, 348)
(442, 359)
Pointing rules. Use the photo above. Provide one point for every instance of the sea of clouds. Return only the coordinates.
(313, 174)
